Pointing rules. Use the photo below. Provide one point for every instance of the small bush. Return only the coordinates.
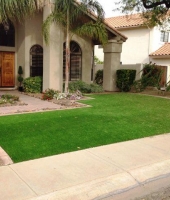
(49, 94)
(8, 98)
(96, 88)
(99, 77)
(79, 85)
(33, 84)
(125, 79)
(84, 87)
(151, 75)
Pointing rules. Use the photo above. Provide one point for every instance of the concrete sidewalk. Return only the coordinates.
(113, 171)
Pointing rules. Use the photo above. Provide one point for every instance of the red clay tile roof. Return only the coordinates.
(126, 21)
(162, 51)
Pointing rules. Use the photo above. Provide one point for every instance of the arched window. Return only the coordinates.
(7, 34)
(75, 61)
(36, 61)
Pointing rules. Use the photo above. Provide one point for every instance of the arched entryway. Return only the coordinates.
(36, 61)
(75, 61)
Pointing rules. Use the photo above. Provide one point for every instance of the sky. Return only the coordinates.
(109, 6)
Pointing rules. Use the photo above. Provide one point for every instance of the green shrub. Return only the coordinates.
(79, 85)
(125, 79)
(151, 75)
(84, 87)
(96, 88)
(99, 77)
(33, 84)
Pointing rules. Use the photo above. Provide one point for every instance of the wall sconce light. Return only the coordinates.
(6, 27)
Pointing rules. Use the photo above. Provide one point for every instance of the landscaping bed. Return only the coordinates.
(10, 100)
(69, 100)
(154, 92)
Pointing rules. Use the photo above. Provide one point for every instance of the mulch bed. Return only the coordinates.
(154, 92)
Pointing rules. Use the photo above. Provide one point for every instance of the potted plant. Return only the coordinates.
(20, 78)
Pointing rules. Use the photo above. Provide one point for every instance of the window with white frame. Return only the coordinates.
(164, 36)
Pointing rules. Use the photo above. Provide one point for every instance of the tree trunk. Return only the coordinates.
(67, 70)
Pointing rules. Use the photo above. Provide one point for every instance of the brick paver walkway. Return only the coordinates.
(33, 105)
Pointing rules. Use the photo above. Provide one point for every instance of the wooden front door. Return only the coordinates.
(7, 63)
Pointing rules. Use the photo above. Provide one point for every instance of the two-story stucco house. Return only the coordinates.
(22, 44)
(144, 44)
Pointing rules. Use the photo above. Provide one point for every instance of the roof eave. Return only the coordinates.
(130, 27)
(109, 28)
(115, 31)
(159, 56)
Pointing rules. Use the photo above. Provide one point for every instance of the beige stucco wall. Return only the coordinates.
(53, 60)
(28, 33)
(33, 36)
(53, 56)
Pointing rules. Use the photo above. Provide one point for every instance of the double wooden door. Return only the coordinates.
(7, 69)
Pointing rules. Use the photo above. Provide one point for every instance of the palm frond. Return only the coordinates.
(93, 7)
(58, 18)
(93, 30)
(18, 9)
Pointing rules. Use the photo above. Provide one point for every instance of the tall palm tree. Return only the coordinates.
(70, 14)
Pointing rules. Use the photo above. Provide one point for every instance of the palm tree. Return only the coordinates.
(70, 14)
(18, 9)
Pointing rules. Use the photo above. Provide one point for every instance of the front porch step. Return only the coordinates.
(8, 89)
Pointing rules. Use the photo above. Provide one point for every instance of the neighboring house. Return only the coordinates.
(23, 45)
(144, 44)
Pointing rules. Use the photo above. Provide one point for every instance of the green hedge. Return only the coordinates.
(33, 84)
(99, 77)
(125, 79)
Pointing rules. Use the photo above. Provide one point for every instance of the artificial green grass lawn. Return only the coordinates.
(112, 118)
